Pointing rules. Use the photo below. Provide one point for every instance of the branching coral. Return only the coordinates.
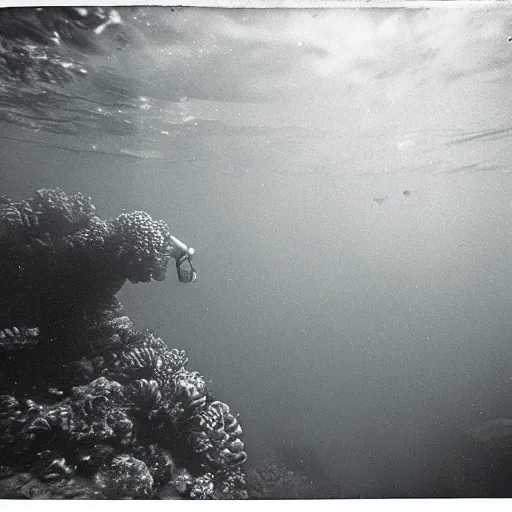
(144, 246)
(126, 477)
(211, 485)
(48, 237)
(215, 434)
(83, 394)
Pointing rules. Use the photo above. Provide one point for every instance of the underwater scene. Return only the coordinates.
(255, 253)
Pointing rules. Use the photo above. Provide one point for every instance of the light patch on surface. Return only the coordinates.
(405, 144)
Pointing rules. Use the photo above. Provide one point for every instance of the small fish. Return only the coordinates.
(492, 429)
(407, 192)
(380, 200)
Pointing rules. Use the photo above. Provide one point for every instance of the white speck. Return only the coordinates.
(300, 43)
(405, 144)
(56, 37)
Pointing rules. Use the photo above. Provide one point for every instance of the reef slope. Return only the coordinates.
(90, 407)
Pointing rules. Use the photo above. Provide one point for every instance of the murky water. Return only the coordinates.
(345, 180)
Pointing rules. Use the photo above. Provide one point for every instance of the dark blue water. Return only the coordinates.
(358, 339)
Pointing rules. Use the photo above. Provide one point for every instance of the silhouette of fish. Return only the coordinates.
(492, 429)
(380, 200)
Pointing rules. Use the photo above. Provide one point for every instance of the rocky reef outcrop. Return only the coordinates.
(90, 407)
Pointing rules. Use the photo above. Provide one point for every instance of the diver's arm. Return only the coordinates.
(178, 248)
(183, 256)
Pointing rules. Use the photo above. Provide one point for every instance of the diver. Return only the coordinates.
(183, 256)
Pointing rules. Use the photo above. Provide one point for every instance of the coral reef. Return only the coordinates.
(89, 406)
(294, 469)
(272, 480)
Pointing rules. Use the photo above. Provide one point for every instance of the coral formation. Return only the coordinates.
(272, 480)
(89, 406)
